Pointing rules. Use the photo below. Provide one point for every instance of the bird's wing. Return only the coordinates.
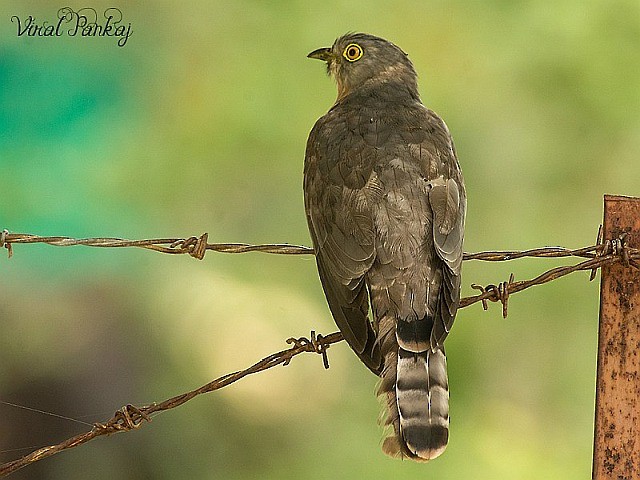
(448, 204)
(342, 234)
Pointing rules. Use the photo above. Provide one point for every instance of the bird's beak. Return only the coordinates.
(323, 54)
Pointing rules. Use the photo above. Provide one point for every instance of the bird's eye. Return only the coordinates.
(352, 52)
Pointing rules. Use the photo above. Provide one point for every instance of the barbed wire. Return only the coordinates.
(132, 417)
(193, 246)
(198, 246)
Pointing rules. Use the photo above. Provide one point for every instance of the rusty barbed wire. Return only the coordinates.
(193, 246)
(131, 417)
(197, 247)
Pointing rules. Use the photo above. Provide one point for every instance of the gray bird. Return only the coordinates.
(385, 204)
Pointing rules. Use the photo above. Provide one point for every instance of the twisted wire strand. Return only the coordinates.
(195, 246)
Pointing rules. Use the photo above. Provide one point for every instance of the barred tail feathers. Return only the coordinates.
(422, 395)
(417, 402)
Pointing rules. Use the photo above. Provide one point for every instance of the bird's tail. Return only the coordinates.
(417, 396)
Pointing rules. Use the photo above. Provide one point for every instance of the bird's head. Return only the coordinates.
(362, 61)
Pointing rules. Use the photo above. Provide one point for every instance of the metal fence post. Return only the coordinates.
(616, 451)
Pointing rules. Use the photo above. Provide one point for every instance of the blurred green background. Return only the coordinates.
(198, 124)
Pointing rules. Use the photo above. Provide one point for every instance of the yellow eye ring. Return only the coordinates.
(353, 52)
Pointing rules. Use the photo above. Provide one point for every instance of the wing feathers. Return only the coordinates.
(448, 208)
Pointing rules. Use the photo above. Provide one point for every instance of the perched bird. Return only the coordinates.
(385, 203)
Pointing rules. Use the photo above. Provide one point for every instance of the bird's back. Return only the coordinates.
(385, 204)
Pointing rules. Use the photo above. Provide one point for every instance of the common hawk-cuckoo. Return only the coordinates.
(385, 204)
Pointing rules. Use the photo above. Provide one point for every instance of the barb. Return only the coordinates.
(495, 293)
(316, 343)
(599, 239)
(131, 417)
(4, 243)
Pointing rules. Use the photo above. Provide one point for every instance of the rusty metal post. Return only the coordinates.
(616, 450)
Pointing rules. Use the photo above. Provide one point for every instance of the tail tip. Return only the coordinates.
(430, 453)
(418, 446)
(426, 443)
